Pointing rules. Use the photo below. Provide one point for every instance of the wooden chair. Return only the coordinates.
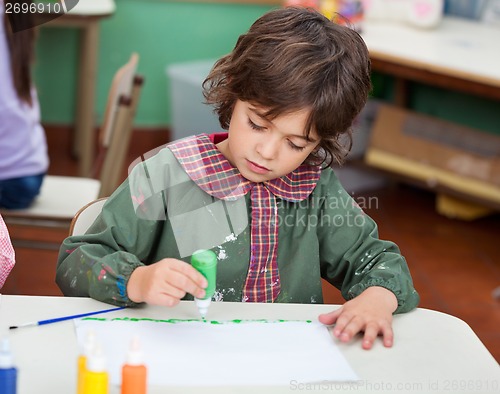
(114, 136)
(86, 216)
(60, 196)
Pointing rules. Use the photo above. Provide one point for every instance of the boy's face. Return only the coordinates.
(262, 149)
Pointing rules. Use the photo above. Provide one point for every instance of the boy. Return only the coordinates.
(261, 196)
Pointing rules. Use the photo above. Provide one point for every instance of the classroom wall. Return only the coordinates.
(161, 31)
(165, 32)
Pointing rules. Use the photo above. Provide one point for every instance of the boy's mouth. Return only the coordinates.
(257, 168)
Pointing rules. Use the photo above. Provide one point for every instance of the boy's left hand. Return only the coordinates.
(370, 312)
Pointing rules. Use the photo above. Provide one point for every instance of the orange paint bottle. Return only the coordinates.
(134, 372)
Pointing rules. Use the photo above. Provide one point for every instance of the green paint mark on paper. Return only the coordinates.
(176, 321)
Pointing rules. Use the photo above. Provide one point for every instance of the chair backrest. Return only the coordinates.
(115, 134)
(120, 86)
(86, 216)
(112, 170)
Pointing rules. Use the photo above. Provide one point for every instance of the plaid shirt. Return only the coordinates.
(7, 257)
(212, 172)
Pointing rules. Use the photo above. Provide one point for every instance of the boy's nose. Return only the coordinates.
(268, 149)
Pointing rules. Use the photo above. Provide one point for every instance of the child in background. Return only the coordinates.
(23, 147)
(262, 196)
(7, 256)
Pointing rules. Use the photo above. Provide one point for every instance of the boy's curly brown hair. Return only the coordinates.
(294, 58)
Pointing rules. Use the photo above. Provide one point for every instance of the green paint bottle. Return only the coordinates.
(205, 261)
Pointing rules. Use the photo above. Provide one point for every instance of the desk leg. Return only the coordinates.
(84, 140)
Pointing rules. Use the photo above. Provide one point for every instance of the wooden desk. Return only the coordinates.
(433, 352)
(459, 55)
(86, 16)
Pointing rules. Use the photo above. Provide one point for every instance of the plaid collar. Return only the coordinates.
(213, 173)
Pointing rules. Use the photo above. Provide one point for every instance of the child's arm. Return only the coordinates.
(99, 263)
(120, 253)
(371, 273)
(353, 257)
(370, 312)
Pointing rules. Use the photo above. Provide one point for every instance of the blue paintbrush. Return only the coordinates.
(58, 319)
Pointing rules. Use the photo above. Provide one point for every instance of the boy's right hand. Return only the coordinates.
(165, 282)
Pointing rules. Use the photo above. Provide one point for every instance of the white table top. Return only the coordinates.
(433, 352)
(457, 47)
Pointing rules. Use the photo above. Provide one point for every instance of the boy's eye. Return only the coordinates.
(295, 147)
(255, 126)
(260, 128)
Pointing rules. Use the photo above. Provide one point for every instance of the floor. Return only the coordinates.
(455, 264)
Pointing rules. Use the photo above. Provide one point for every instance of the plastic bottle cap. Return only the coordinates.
(6, 359)
(89, 343)
(134, 355)
(203, 305)
(96, 361)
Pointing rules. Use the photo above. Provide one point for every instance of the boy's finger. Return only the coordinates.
(329, 318)
(342, 322)
(191, 272)
(168, 300)
(371, 333)
(388, 335)
(352, 328)
(162, 299)
(173, 291)
(186, 283)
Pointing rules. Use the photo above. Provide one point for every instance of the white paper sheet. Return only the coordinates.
(195, 353)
